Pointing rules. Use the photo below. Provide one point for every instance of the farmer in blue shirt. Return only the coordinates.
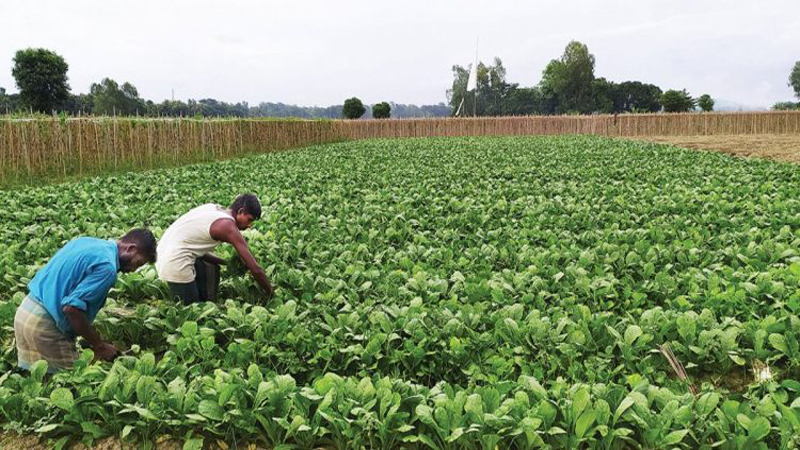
(66, 294)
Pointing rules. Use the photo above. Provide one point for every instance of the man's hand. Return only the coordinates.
(105, 351)
(225, 230)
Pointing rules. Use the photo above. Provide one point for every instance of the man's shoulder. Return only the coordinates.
(98, 250)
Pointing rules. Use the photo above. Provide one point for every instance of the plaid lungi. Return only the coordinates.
(38, 337)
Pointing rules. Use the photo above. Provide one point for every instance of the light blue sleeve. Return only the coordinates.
(93, 289)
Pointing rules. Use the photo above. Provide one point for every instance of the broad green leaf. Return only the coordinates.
(626, 403)
(580, 401)
(674, 437)
(38, 370)
(195, 443)
(584, 422)
(474, 404)
(211, 410)
(707, 403)
(62, 398)
(779, 342)
(533, 385)
(759, 429)
(632, 333)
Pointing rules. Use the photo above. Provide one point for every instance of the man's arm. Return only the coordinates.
(225, 230)
(92, 289)
(80, 324)
(214, 259)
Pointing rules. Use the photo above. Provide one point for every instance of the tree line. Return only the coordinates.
(568, 86)
(41, 76)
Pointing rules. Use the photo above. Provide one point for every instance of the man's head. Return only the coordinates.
(136, 248)
(246, 209)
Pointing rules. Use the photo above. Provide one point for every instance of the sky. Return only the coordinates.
(319, 52)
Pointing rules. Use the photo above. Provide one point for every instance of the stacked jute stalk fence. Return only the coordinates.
(40, 150)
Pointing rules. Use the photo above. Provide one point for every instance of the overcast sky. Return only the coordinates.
(322, 51)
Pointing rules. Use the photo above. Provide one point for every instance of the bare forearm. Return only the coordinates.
(255, 270)
(80, 324)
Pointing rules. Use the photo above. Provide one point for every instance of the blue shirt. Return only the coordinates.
(79, 275)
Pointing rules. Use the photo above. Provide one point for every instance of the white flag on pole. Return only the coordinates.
(472, 82)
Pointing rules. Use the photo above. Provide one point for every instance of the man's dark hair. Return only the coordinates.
(144, 240)
(250, 204)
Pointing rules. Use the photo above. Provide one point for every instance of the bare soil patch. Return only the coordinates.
(779, 147)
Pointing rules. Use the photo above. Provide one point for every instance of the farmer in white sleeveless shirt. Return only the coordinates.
(184, 252)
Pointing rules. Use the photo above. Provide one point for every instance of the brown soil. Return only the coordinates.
(780, 147)
(10, 440)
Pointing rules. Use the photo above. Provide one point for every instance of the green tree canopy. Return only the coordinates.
(382, 110)
(794, 79)
(705, 102)
(353, 108)
(677, 101)
(523, 102)
(492, 90)
(41, 77)
(637, 96)
(785, 106)
(569, 79)
(109, 98)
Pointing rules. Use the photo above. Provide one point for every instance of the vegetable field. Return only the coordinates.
(442, 293)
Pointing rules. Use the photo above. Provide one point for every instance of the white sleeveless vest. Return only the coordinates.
(187, 239)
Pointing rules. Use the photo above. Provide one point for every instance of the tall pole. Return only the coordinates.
(475, 103)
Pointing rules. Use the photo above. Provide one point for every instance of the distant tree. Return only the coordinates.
(109, 98)
(381, 111)
(492, 90)
(705, 102)
(8, 102)
(569, 79)
(167, 108)
(603, 94)
(677, 101)
(41, 77)
(632, 96)
(785, 106)
(794, 79)
(524, 102)
(437, 110)
(353, 108)
(81, 104)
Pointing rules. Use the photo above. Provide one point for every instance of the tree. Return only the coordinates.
(785, 106)
(381, 111)
(569, 79)
(794, 79)
(41, 77)
(677, 101)
(636, 96)
(523, 102)
(458, 91)
(8, 102)
(706, 103)
(109, 98)
(353, 108)
(492, 90)
(603, 95)
(81, 104)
